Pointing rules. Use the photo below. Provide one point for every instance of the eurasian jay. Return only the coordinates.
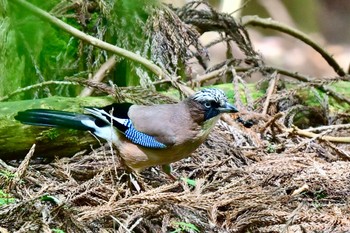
(145, 136)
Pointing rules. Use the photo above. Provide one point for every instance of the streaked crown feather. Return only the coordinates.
(210, 94)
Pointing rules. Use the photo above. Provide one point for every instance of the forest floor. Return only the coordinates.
(239, 180)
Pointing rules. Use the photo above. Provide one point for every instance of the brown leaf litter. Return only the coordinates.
(242, 185)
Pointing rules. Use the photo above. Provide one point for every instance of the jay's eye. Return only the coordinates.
(207, 104)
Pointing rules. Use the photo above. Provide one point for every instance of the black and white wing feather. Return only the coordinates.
(116, 115)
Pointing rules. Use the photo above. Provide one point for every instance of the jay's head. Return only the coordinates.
(213, 102)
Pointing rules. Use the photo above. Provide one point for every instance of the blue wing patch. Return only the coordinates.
(119, 120)
(140, 138)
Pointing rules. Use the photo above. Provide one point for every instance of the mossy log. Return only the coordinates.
(16, 139)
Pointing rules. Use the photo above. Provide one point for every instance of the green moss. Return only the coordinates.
(52, 134)
(5, 198)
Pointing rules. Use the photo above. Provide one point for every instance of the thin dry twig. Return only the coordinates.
(271, 121)
(332, 127)
(272, 89)
(99, 75)
(21, 170)
(35, 86)
(217, 73)
(297, 131)
(342, 153)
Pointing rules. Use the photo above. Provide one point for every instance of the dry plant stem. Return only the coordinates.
(247, 94)
(303, 188)
(7, 167)
(308, 134)
(272, 89)
(307, 141)
(297, 76)
(305, 78)
(121, 224)
(292, 217)
(342, 153)
(21, 170)
(269, 23)
(99, 75)
(237, 96)
(333, 127)
(214, 74)
(38, 85)
(92, 40)
(270, 122)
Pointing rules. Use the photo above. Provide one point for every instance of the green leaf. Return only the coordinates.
(190, 182)
(5, 198)
(185, 227)
(55, 230)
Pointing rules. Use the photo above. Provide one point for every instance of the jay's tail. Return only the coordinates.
(52, 118)
(70, 120)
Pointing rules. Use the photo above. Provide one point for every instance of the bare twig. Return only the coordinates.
(272, 88)
(271, 121)
(99, 75)
(6, 166)
(121, 224)
(342, 153)
(333, 127)
(308, 134)
(38, 85)
(303, 188)
(223, 70)
(296, 75)
(214, 74)
(312, 137)
(237, 97)
(269, 23)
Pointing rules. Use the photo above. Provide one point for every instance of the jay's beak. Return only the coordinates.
(229, 108)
